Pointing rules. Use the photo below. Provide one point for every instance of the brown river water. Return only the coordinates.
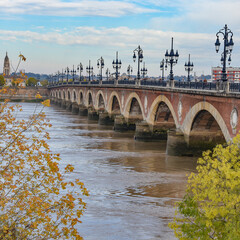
(133, 185)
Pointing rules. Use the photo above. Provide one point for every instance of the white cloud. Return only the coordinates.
(201, 16)
(109, 8)
(107, 40)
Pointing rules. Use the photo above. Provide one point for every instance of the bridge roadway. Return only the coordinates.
(190, 119)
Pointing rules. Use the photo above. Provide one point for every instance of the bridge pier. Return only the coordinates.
(92, 114)
(176, 143)
(179, 144)
(63, 104)
(82, 110)
(122, 125)
(201, 141)
(58, 102)
(75, 108)
(69, 105)
(145, 132)
(105, 119)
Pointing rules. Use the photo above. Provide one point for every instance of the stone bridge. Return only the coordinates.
(191, 120)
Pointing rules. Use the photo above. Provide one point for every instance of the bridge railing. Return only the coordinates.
(209, 86)
(154, 83)
(110, 82)
(196, 85)
(234, 87)
(129, 82)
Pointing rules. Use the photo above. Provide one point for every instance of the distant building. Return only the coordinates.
(233, 74)
(8, 76)
(6, 66)
(6, 71)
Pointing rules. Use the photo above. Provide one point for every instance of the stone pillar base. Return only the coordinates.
(121, 125)
(63, 104)
(92, 114)
(75, 108)
(104, 119)
(69, 106)
(145, 133)
(82, 111)
(176, 144)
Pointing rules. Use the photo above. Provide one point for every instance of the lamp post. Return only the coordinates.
(188, 67)
(89, 70)
(144, 70)
(62, 75)
(162, 66)
(117, 65)
(171, 59)
(73, 73)
(129, 71)
(67, 72)
(139, 52)
(58, 75)
(80, 69)
(107, 73)
(100, 64)
(227, 50)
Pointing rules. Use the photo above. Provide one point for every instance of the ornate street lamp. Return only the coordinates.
(107, 73)
(80, 69)
(188, 67)
(227, 48)
(139, 53)
(129, 71)
(162, 66)
(171, 59)
(144, 70)
(117, 65)
(100, 64)
(73, 73)
(67, 72)
(89, 70)
(62, 75)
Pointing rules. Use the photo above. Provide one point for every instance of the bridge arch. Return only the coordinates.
(74, 98)
(64, 95)
(89, 99)
(133, 101)
(208, 108)
(80, 97)
(100, 100)
(68, 95)
(114, 99)
(154, 108)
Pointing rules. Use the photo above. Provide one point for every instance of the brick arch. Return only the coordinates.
(190, 117)
(87, 98)
(74, 96)
(154, 107)
(80, 98)
(64, 95)
(100, 93)
(110, 102)
(68, 96)
(59, 94)
(126, 112)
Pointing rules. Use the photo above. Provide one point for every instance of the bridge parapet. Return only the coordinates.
(198, 114)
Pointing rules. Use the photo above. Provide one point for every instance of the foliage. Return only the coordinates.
(44, 82)
(211, 206)
(2, 80)
(36, 200)
(32, 81)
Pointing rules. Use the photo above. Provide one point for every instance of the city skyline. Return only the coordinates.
(55, 34)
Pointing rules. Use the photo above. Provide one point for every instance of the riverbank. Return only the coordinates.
(25, 94)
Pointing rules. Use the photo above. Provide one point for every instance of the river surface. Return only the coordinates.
(133, 185)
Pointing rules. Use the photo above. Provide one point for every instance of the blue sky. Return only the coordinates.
(54, 34)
